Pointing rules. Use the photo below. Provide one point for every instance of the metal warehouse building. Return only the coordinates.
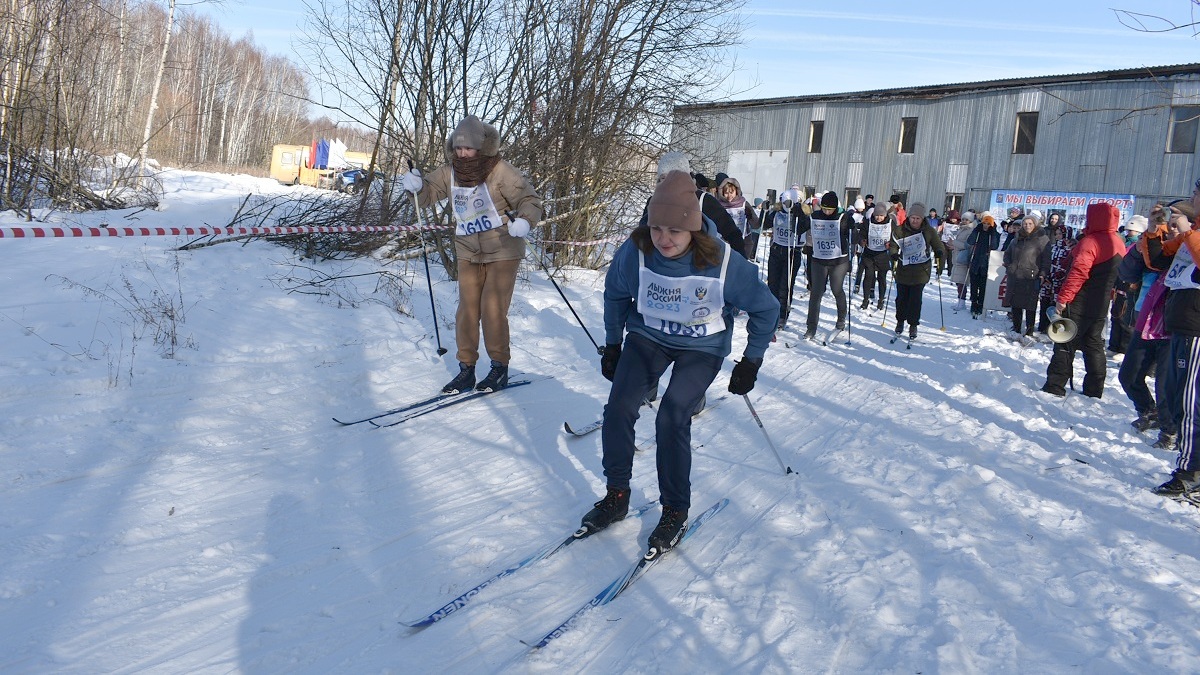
(1131, 132)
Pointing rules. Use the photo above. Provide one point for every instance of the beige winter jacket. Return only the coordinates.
(511, 192)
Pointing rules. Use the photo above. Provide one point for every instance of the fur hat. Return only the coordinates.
(918, 209)
(473, 132)
(674, 203)
(860, 205)
(1137, 224)
(673, 161)
(894, 199)
(953, 215)
(829, 199)
(987, 219)
(1036, 215)
(969, 216)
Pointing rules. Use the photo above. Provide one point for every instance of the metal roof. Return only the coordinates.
(942, 90)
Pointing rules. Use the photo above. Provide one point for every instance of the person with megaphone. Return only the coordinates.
(1084, 298)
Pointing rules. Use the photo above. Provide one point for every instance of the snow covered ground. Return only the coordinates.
(202, 513)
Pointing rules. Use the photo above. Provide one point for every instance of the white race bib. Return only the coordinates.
(913, 250)
(827, 239)
(739, 218)
(1179, 274)
(878, 234)
(782, 232)
(474, 210)
(689, 306)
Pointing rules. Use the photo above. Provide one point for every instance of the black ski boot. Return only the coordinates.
(669, 531)
(496, 379)
(879, 303)
(865, 303)
(613, 508)
(461, 382)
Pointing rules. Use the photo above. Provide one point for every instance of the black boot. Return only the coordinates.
(461, 382)
(669, 531)
(1181, 482)
(497, 378)
(865, 303)
(613, 508)
(1146, 420)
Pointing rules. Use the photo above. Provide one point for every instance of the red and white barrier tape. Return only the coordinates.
(196, 231)
(606, 240)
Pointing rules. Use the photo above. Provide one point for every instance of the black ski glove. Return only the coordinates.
(608, 361)
(745, 372)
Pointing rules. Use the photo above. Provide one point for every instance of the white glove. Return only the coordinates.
(518, 227)
(412, 181)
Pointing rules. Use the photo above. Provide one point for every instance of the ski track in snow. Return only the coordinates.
(203, 514)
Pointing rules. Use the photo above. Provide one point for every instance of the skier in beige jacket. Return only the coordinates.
(483, 189)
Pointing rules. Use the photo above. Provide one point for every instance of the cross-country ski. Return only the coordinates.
(537, 556)
(625, 580)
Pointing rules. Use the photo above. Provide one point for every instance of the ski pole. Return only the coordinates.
(941, 307)
(887, 297)
(599, 350)
(849, 302)
(786, 469)
(428, 279)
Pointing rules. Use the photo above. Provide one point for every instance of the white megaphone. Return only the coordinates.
(1062, 329)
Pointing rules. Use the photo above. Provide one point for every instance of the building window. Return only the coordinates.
(908, 135)
(809, 191)
(1026, 134)
(816, 131)
(953, 203)
(851, 195)
(1185, 122)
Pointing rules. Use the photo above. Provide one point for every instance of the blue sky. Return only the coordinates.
(802, 47)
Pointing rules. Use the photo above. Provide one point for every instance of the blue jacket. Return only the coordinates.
(743, 290)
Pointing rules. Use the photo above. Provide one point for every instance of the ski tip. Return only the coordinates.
(567, 428)
(789, 471)
(582, 532)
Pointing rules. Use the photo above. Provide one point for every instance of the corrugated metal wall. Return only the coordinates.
(1106, 136)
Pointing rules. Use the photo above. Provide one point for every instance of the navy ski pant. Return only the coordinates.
(642, 363)
(782, 266)
(1143, 359)
(1184, 376)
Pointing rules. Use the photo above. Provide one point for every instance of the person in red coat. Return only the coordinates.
(1084, 298)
